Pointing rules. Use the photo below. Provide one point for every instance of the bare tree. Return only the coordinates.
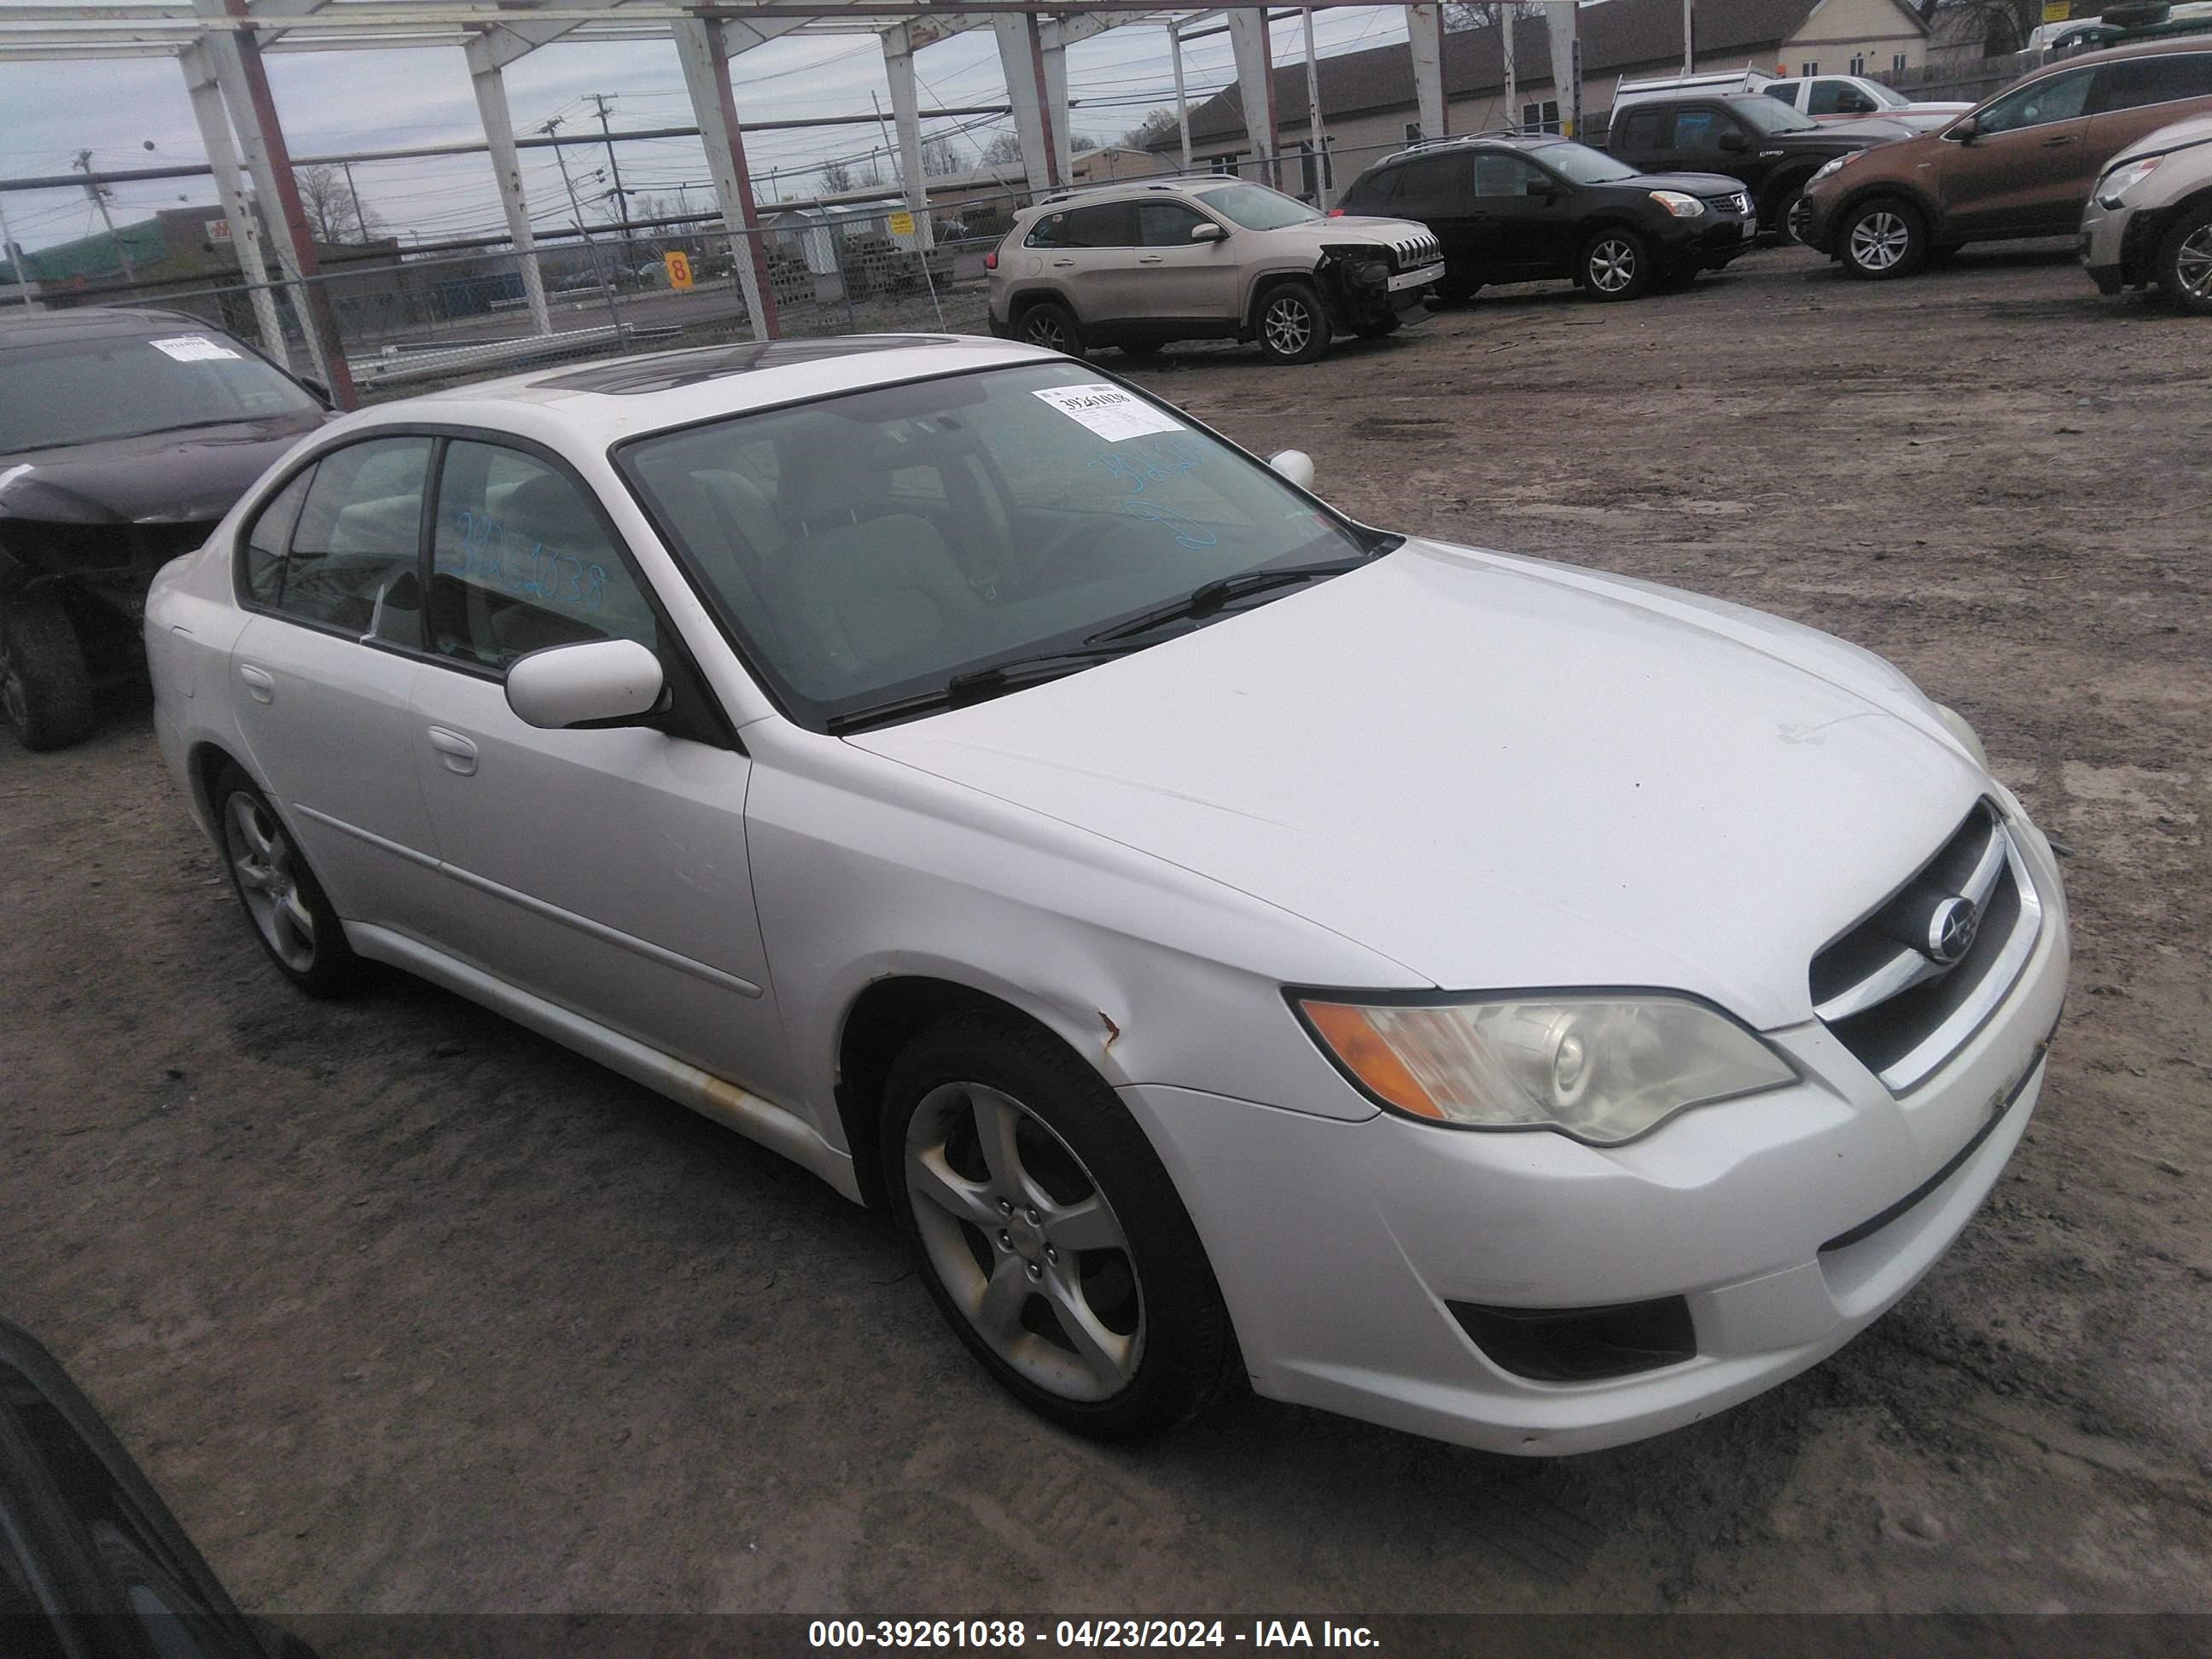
(1158, 127)
(940, 156)
(836, 179)
(1474, 14)
(1004, 147)
(333, 213)
(2001, 26)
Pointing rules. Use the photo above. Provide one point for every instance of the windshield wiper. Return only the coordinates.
(1208, 598)
(979, 685)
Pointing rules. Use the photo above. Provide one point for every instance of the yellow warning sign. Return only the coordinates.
(2057, 11)
(902, 224)
(679, 268)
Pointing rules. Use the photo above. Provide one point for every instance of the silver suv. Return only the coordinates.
(2150, 218)
(1135, 265)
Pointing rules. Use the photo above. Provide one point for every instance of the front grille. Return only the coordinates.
(1412, 254)
(1892, 989)
(1734, 202)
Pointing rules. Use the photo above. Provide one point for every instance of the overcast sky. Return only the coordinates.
(343, 101)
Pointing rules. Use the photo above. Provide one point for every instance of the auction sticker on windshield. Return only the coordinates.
(194, 348)
(1107, 410)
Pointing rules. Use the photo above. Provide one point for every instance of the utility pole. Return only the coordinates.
(15, 258)
(576, 209)
(100, 200)
(898, 158)
(622, 200)
(360, 223)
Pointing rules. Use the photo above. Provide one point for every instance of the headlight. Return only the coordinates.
(1969, 738)
(1682, 206)
(1603, 1069)
(1829, 169)
(2120, 181)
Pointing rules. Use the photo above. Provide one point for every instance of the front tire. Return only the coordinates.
(1051, 325)
(284, 905)
(45, 690)
(1380, 328)
(1616, 264)
(1882, 239)
(2184, 265)
(1048, 1232)
(1294, 327)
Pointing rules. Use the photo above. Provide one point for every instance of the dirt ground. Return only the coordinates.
(407, 1310)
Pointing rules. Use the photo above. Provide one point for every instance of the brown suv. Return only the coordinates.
(2019, 164)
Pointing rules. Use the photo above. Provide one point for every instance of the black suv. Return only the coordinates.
(1522, 208)
(1762, 141)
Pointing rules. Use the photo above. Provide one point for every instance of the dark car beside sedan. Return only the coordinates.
(1528, 209)
(124, 437)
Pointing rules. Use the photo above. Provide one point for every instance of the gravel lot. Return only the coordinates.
(406, 1310)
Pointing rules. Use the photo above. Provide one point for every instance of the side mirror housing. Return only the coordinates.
(598, 683)
(317, 389)
(1966, 130)
(1295, 464)
(1206, 233)
(1734, 142)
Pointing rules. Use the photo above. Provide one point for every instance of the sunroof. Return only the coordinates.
(672, 369)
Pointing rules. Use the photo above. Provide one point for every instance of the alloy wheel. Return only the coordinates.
(1798, 220)
(1612, 265)
(15, 699)
(2192, 263)
(1879, 241)
(1024, 1240)
(1043, 329)
(1289, 325)
(262, 857)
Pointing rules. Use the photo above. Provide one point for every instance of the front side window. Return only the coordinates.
(2056, 98)
(354, 559)
(519, 562)
(1167, 224)
(1496, 174)
(1061, 508)
(1701, 129)
(1838, 97)
(1379, 187)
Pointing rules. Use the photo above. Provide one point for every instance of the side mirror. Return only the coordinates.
(1734, 142)
(598, 682)
(317, 389)
(1295, 464)
(1206, 233)
(1966, 130)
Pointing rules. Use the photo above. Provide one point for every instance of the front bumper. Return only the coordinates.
(2110, 251)
(1338, 1246)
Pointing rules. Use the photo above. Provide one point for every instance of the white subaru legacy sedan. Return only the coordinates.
(1487, 996)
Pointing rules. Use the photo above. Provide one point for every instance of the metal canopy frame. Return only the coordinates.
(220, 44)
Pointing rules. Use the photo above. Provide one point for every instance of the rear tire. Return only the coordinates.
(2184, 265)
(1048, 1232)
(1882, 239)
(1051, 325)
(1792, 213)
(1616, 264)
(45, 690)
(283, 902)
(1293, 323)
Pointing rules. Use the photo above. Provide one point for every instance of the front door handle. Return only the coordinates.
(459, 754)
(1150, 259)
(261, 683)
(1063, 263)
(2062, 138)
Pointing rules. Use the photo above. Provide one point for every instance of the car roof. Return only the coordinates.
(22, 328)
(1520, 141)
(604, 401)
(2165, 45)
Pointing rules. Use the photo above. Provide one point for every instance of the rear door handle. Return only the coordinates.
(1150, 258)
(261, 683)
(2062, 138)
(461, 755)
(1063, 263)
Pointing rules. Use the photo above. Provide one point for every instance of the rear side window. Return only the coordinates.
(2135, 82)
(1109, 225)
(355, 549)
(1788, 95)
(1641, 130)
(271, 535)
(519, 562)
(1438, 179)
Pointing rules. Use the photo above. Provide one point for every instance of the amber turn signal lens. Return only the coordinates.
(1370, 1058)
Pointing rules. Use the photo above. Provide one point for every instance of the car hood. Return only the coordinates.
(1853, 135)
(2182, 135)
(1690, 184)
(188, 477)
(1498, 773)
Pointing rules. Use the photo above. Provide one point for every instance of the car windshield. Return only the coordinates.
(864, 550)
(1257, 208)
(1772, 115)
(80, 392)
(1582, 164)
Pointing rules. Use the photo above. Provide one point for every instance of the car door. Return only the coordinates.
(1837, 98)
(1089, 253)
(1438, 190)
(1708, 138)
(2028, 167)
(2136, 97)
(320, 676)
(603, 870)
(1526, 217)
(1172, 276)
